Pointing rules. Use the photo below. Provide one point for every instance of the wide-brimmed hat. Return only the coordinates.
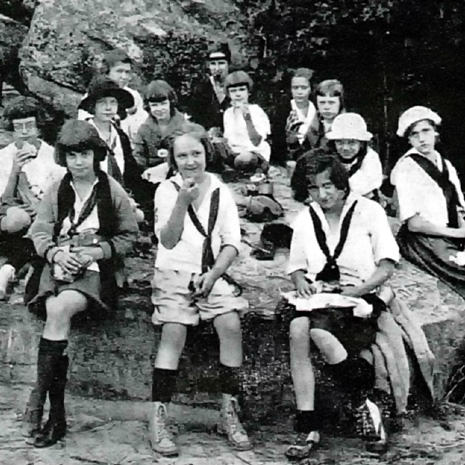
(79, 135)
(413, 115)
(103, 86)
(349, 126)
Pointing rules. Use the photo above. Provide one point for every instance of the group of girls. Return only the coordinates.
(86, 224)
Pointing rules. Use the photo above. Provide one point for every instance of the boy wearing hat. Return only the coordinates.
(430, 201)
(209, 98)
(27, 168)
(118, 67)
(246, 125)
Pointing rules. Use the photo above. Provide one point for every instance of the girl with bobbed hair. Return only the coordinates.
(301, 116)
(163, 119)
(84, 227)
(27, 169)
(197, 226)
(329, 99)
(246, 125)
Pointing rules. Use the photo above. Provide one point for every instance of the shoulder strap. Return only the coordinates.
(441, 178)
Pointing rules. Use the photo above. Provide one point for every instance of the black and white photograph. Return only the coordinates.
(232, 232)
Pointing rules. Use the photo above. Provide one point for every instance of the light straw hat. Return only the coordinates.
(413, 115)
(349, 126)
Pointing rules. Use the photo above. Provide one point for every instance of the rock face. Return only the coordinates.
(66, 41)
(11, 36)
(114, 358)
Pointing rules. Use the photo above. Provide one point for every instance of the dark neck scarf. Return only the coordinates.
(441, 178)
(330, 271)
(356, 166)
(208, 259)
(100, 197)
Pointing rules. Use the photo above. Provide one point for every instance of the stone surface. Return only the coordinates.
(113, 358)
(66, 40)
(106, 432)
(12, 34)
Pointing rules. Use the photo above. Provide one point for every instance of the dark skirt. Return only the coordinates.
(354, 333)
(89, 284)
(432, 255)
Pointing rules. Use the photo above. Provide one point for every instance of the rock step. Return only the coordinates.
(113, 359)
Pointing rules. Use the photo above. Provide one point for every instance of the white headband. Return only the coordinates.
(217, 56)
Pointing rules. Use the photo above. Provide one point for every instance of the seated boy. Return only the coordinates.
(341, 243)
(27, 168)
(246, 125)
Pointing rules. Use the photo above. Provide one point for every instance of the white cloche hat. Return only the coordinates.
(413, 115)
(349, 126)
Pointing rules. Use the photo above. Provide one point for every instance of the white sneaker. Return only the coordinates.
(7, 274)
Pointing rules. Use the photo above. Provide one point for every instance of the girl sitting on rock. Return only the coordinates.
(430, 201)
(246, 125)
(197, 225)
(163, 120)
(350, 137)
(342, 248)
(84, 227)
(27, 169)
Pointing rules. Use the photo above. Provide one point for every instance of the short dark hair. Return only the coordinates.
(158, 91)
(319, 160)
(238, 78)
(110, 59)
(333, 88)
(77, 136)
(410, 128)
(22, 107)
(195, 130)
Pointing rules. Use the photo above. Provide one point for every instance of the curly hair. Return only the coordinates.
(319, 160)
(23, 107)
(313, 162)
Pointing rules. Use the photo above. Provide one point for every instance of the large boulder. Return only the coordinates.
(12, 33)
(66, 41)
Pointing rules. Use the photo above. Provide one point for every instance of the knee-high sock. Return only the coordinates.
(56, 393)
(229, 380)
(48, 357)
(163, 384)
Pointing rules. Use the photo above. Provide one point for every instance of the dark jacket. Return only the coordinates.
(204, 106)
(149, 137)
(287, 148)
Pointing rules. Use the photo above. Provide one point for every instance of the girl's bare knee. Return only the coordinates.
(65, 305)
(228, 325)
(299, 329)
(173, 334)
